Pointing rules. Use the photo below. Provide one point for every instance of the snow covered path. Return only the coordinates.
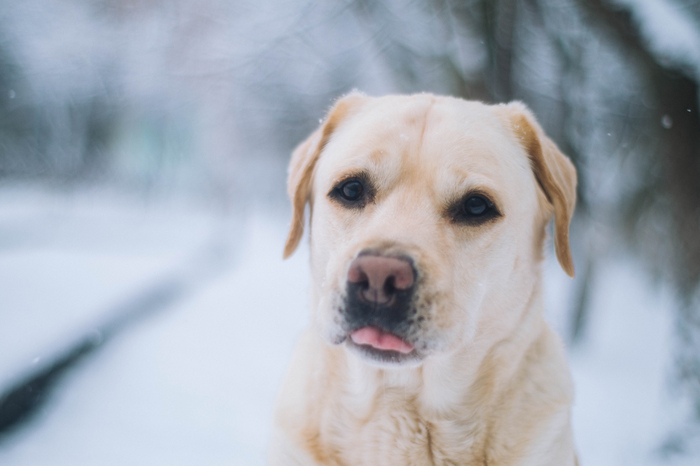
(195, 384)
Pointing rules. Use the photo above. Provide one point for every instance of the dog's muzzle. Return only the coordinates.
(379, 312)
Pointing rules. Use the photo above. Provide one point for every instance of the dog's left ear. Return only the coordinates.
(301, 166)
(554, 172)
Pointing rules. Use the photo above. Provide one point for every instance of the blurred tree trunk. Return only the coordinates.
(677, 129)
(499, 18)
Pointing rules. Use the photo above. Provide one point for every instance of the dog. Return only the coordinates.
(427, 343)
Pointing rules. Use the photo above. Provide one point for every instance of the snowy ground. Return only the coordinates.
(195, 383)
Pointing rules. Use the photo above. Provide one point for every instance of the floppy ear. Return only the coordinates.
(301, 166)
(554, 172)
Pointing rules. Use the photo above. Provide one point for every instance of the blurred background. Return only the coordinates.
(143, 152)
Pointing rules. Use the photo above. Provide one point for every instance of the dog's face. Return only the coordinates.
(427, 221)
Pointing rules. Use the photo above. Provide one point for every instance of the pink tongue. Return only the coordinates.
(380, 339)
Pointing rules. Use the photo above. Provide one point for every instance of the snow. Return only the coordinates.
(196, 383)
(619, 373)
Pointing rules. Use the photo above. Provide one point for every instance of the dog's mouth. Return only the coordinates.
(380, 340)
(380, 346)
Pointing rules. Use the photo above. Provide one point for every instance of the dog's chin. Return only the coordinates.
(386, 359)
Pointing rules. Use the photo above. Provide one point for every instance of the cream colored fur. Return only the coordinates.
(493, 387)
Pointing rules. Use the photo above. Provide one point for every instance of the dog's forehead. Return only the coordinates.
(438, 140)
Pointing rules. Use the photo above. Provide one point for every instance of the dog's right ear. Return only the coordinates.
(301, 166)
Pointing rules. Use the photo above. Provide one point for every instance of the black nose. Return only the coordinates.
(380, 278)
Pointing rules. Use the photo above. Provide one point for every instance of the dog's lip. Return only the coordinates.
(380, 339)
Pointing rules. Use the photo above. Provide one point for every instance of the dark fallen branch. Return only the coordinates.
(20, 403)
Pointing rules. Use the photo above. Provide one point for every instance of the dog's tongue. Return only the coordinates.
(380, 339)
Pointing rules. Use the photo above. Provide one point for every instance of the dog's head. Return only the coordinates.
(428, 217)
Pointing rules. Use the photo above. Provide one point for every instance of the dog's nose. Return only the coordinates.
(380, 278)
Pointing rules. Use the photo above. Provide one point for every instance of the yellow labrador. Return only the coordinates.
(428, 344)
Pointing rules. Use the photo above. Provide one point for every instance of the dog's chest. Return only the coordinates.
(396, 434)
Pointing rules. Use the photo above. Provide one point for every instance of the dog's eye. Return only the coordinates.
(351, 190)
(476, 206)
(473, 209)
